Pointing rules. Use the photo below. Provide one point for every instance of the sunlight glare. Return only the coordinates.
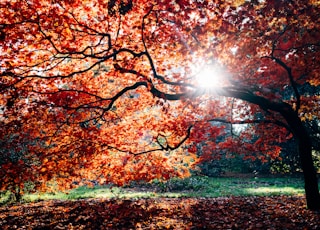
(211, 76)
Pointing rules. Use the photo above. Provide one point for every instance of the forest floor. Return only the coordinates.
(232, 202)
(253, 212)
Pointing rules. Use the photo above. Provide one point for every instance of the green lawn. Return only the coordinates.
(189, 187)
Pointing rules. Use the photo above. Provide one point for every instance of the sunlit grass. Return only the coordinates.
(98, 192)
(253, 186)
(262, 191)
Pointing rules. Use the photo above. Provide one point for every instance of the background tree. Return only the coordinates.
(18, 158)
(119, 83)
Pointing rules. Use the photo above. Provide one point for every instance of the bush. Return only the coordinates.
(177, 184)
(212, 168)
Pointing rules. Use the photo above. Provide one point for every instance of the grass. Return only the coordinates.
(189, 187)
(253, 187)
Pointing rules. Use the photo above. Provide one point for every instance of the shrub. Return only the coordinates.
(195, 183)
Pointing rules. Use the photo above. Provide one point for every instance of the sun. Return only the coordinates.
(210, 76)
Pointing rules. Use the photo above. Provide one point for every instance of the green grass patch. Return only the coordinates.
(252, 187)
(190, 187)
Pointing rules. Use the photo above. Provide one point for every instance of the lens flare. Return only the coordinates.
(211, 76)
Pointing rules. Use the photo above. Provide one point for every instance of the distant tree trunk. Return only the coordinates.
(17, 196)
(15, 193)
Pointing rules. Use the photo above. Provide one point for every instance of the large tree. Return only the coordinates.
(122, 90)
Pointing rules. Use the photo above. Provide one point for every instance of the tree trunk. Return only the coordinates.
(309, 172)
(305, 152)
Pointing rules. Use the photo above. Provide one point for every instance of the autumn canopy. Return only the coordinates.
(122, 90)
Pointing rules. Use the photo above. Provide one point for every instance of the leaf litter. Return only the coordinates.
(274, 212)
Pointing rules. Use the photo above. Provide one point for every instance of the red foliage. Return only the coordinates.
(111, 93)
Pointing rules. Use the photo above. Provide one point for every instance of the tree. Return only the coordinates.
(119, 82)
(17, 161)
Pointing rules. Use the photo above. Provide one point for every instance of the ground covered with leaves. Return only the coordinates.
(278, 212)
